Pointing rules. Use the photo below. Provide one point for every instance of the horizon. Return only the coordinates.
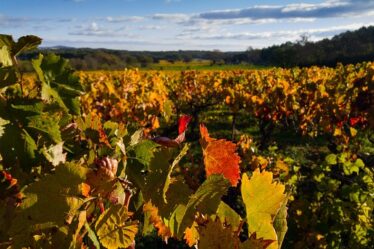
(173, 25)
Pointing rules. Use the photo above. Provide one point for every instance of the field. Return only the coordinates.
(196, 65)
(234, 158)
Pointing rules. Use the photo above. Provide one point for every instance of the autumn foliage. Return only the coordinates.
(103, 159)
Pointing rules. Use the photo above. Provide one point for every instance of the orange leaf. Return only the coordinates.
(191, 235)
(156, 220)
(86, 189)
(220, 157)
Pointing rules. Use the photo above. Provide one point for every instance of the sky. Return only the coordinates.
(231, 25)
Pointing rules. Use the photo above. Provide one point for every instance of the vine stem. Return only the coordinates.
(237, 232)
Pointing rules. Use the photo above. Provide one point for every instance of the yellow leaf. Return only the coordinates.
(353, 131)
(337, 132)
(280, 164)
(262, 199)
(114, 228)
(259, 162)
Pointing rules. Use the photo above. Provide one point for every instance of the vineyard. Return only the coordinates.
(246, 159)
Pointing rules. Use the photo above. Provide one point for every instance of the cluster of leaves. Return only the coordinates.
(331, 202)
(72, 179)
(126, 95)
(309, 100)
(86, 138)
(333, 199)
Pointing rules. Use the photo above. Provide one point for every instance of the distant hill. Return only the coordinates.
(347, 47)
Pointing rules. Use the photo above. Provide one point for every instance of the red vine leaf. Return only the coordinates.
(183, 123)
(220, 157)
(182, 126)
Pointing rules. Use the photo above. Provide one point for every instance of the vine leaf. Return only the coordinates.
(26, 43)
(205, 200)
(54, 154)
(152, 216)
(280, 223)
(227, 215)
(183, 123)
(168, 177)
(144, 151)
(5, 57)
(8, 75)
(3, 123)
(114, 228)
(17, 145)
(220, 157)
(214, 235)
(256, 243)
(91, 234)
(182, 127)
(58, 83)
(262, 199)
(191, 235)
(62, 189)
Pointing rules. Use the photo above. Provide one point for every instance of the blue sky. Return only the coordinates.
(231, 25)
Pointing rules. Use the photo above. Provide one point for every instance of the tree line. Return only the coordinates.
(348, 47)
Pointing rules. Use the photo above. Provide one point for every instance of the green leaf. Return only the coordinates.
(349, 168)
(228, 215)
(331, 159)
(3, 122)
(168, 110)
(29, 144)
(280, 223)
(5, 57)
(153, 184)
(91, 234)
(114, 228)
(8, 76)
(54, 154)
(136, 137)
(359, 163)
(53, 199)
(46, 124)
(6, 40)
(59, 84)
(175, 162)
(205, 200)
(17, 146)
(144, 151)
(26, 43)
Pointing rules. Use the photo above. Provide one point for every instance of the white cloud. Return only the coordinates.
(94, 29)
(326, 9)
(119, 19)
(151, 27)
(175, 17)
(289, 35)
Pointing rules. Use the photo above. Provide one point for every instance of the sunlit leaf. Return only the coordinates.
(114, 228)
(262, 199)
(220, 157)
